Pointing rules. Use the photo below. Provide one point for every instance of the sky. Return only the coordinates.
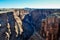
(29, 3)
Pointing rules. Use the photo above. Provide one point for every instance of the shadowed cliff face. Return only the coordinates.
(37, 15)
(43, 14)
(11, 22)
(3, 28)
(31, 23)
